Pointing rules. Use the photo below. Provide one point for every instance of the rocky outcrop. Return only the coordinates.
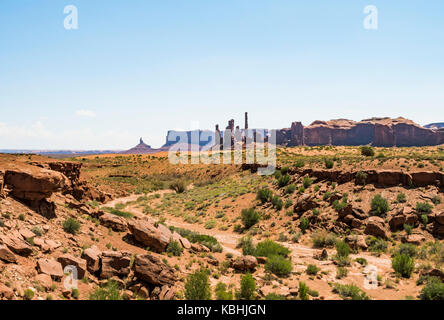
(151, 269)
(376, 227)
(381, 132)
(7, 255)
(383, 178)
(114, 222)
(115, 264)
(92, 256)
(50, 267)
(16, 244)
(150, 235)
(34, 183)
(70, 260)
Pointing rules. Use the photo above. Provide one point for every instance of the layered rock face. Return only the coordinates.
(381, 132)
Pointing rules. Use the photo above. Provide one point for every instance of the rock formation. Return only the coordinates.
(380, 132)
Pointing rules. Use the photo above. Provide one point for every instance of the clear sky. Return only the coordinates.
(138, 68)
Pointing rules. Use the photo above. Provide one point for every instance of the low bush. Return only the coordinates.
(424, 207)
(264, 195)
(247, 288)
(278, 265)
(268, 248)
(367, 151)
(174, 248)
(403, 264)
(71, 225)
(350, 292)
(379, 205)
(197, 286)
(249, 217)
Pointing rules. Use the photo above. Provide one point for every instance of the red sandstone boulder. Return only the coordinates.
(151, 269)
(114, 222)
(50, 267)
(145, 232)
(16, 244)
(115, 263)
(92, 256)
(245, 263)
(7, 255)
(376, 227)
(70, 260)
(34, 183)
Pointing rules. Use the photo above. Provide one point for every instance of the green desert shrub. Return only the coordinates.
(268, 248)
(307, 182)
(304, 224)
(376, 245)
(342, 249)
(401, 197)
(222, 293)
(323, 239)
(312, 269)
(367, 151)
(407, 249)
(433, 290)
(246, 243)
(274, 296)
(379, 205)
(403, 265)
(303, 291)
(424, 207)
(264, 195)
(197, 286)
(277, 203)
(299, 163)
(175, 248)
(179, 186)
(248, 288)
(71, 225)
(278, 265)
(328, 163)
(350, 292)
(108, 291)
(283, 181)
(290, 189)
(249, 217)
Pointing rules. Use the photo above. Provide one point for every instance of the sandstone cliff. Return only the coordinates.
(381, 132)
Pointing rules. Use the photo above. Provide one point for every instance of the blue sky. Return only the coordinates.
(138, 68)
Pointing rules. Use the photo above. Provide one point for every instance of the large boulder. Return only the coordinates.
(115, 263)
(92, 256)
(70, 260)
(439, 218)
(151, 269)
(16, 244)
(114, 222)
(404, 216)
(50, 267)
(304, 203)
(150, 235)
(34, 183)
(376, 227)
(245, 263)
(7, 255)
